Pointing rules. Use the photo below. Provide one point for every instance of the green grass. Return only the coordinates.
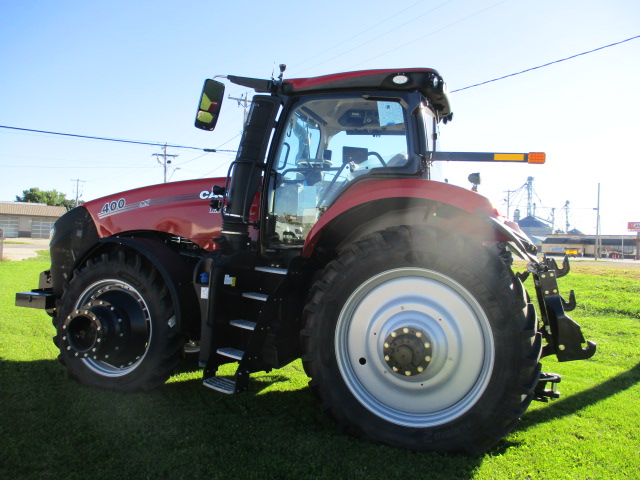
(51, 427)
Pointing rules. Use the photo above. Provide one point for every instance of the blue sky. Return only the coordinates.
(134, 70)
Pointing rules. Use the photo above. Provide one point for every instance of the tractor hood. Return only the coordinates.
(179, 208)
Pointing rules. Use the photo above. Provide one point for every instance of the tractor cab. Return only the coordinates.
(328, 136)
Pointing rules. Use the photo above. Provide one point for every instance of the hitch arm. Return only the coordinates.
(563, 335)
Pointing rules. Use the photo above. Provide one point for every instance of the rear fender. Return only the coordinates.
(378, 204)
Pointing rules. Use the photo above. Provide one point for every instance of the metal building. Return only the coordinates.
(34, 220)
(611, 246)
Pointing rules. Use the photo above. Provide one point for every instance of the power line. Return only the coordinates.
(547, 64)
(107, 139)
(404, 45)
(341, 43)
(212, 150)
(387, 32)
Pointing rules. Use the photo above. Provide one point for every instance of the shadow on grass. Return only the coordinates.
(570, 405)
(52, 426)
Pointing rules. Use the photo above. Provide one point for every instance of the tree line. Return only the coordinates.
(48, 197)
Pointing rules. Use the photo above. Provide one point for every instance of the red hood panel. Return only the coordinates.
(179, 208)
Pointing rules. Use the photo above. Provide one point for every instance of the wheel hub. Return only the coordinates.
(408, 351)
(94, 331)
(99, 331)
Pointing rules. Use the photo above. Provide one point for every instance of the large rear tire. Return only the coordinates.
(116, 327)
(421, 339)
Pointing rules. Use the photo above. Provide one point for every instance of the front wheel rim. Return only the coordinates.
(414, 347)
(109, 328)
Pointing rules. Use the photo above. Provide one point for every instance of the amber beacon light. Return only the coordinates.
(537, 157)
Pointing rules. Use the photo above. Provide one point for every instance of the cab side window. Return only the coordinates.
(328, 143)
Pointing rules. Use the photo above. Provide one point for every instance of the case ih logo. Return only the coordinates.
(633, 226)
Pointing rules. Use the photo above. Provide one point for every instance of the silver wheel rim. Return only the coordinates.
(104, 290)
(429, 307)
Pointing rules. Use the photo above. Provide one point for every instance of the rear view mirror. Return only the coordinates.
(210, 104)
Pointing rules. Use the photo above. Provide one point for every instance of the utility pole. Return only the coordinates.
(164, 161)
(77, 190)
(509, 192)
(597, 253)
(244, 103)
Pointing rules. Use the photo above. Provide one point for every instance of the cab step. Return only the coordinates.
(244, 324)
(220, 384)
(261, 297)
(273, 270)
(230, 352)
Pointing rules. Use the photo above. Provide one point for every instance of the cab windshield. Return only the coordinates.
(328, 143)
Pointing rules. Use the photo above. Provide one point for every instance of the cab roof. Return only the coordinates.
(426, 80)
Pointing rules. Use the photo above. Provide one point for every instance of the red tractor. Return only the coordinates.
(330, 239)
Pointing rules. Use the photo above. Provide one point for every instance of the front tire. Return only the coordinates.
(116, 327)
(421, 339)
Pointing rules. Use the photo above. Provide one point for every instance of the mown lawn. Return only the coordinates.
(51, 427)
